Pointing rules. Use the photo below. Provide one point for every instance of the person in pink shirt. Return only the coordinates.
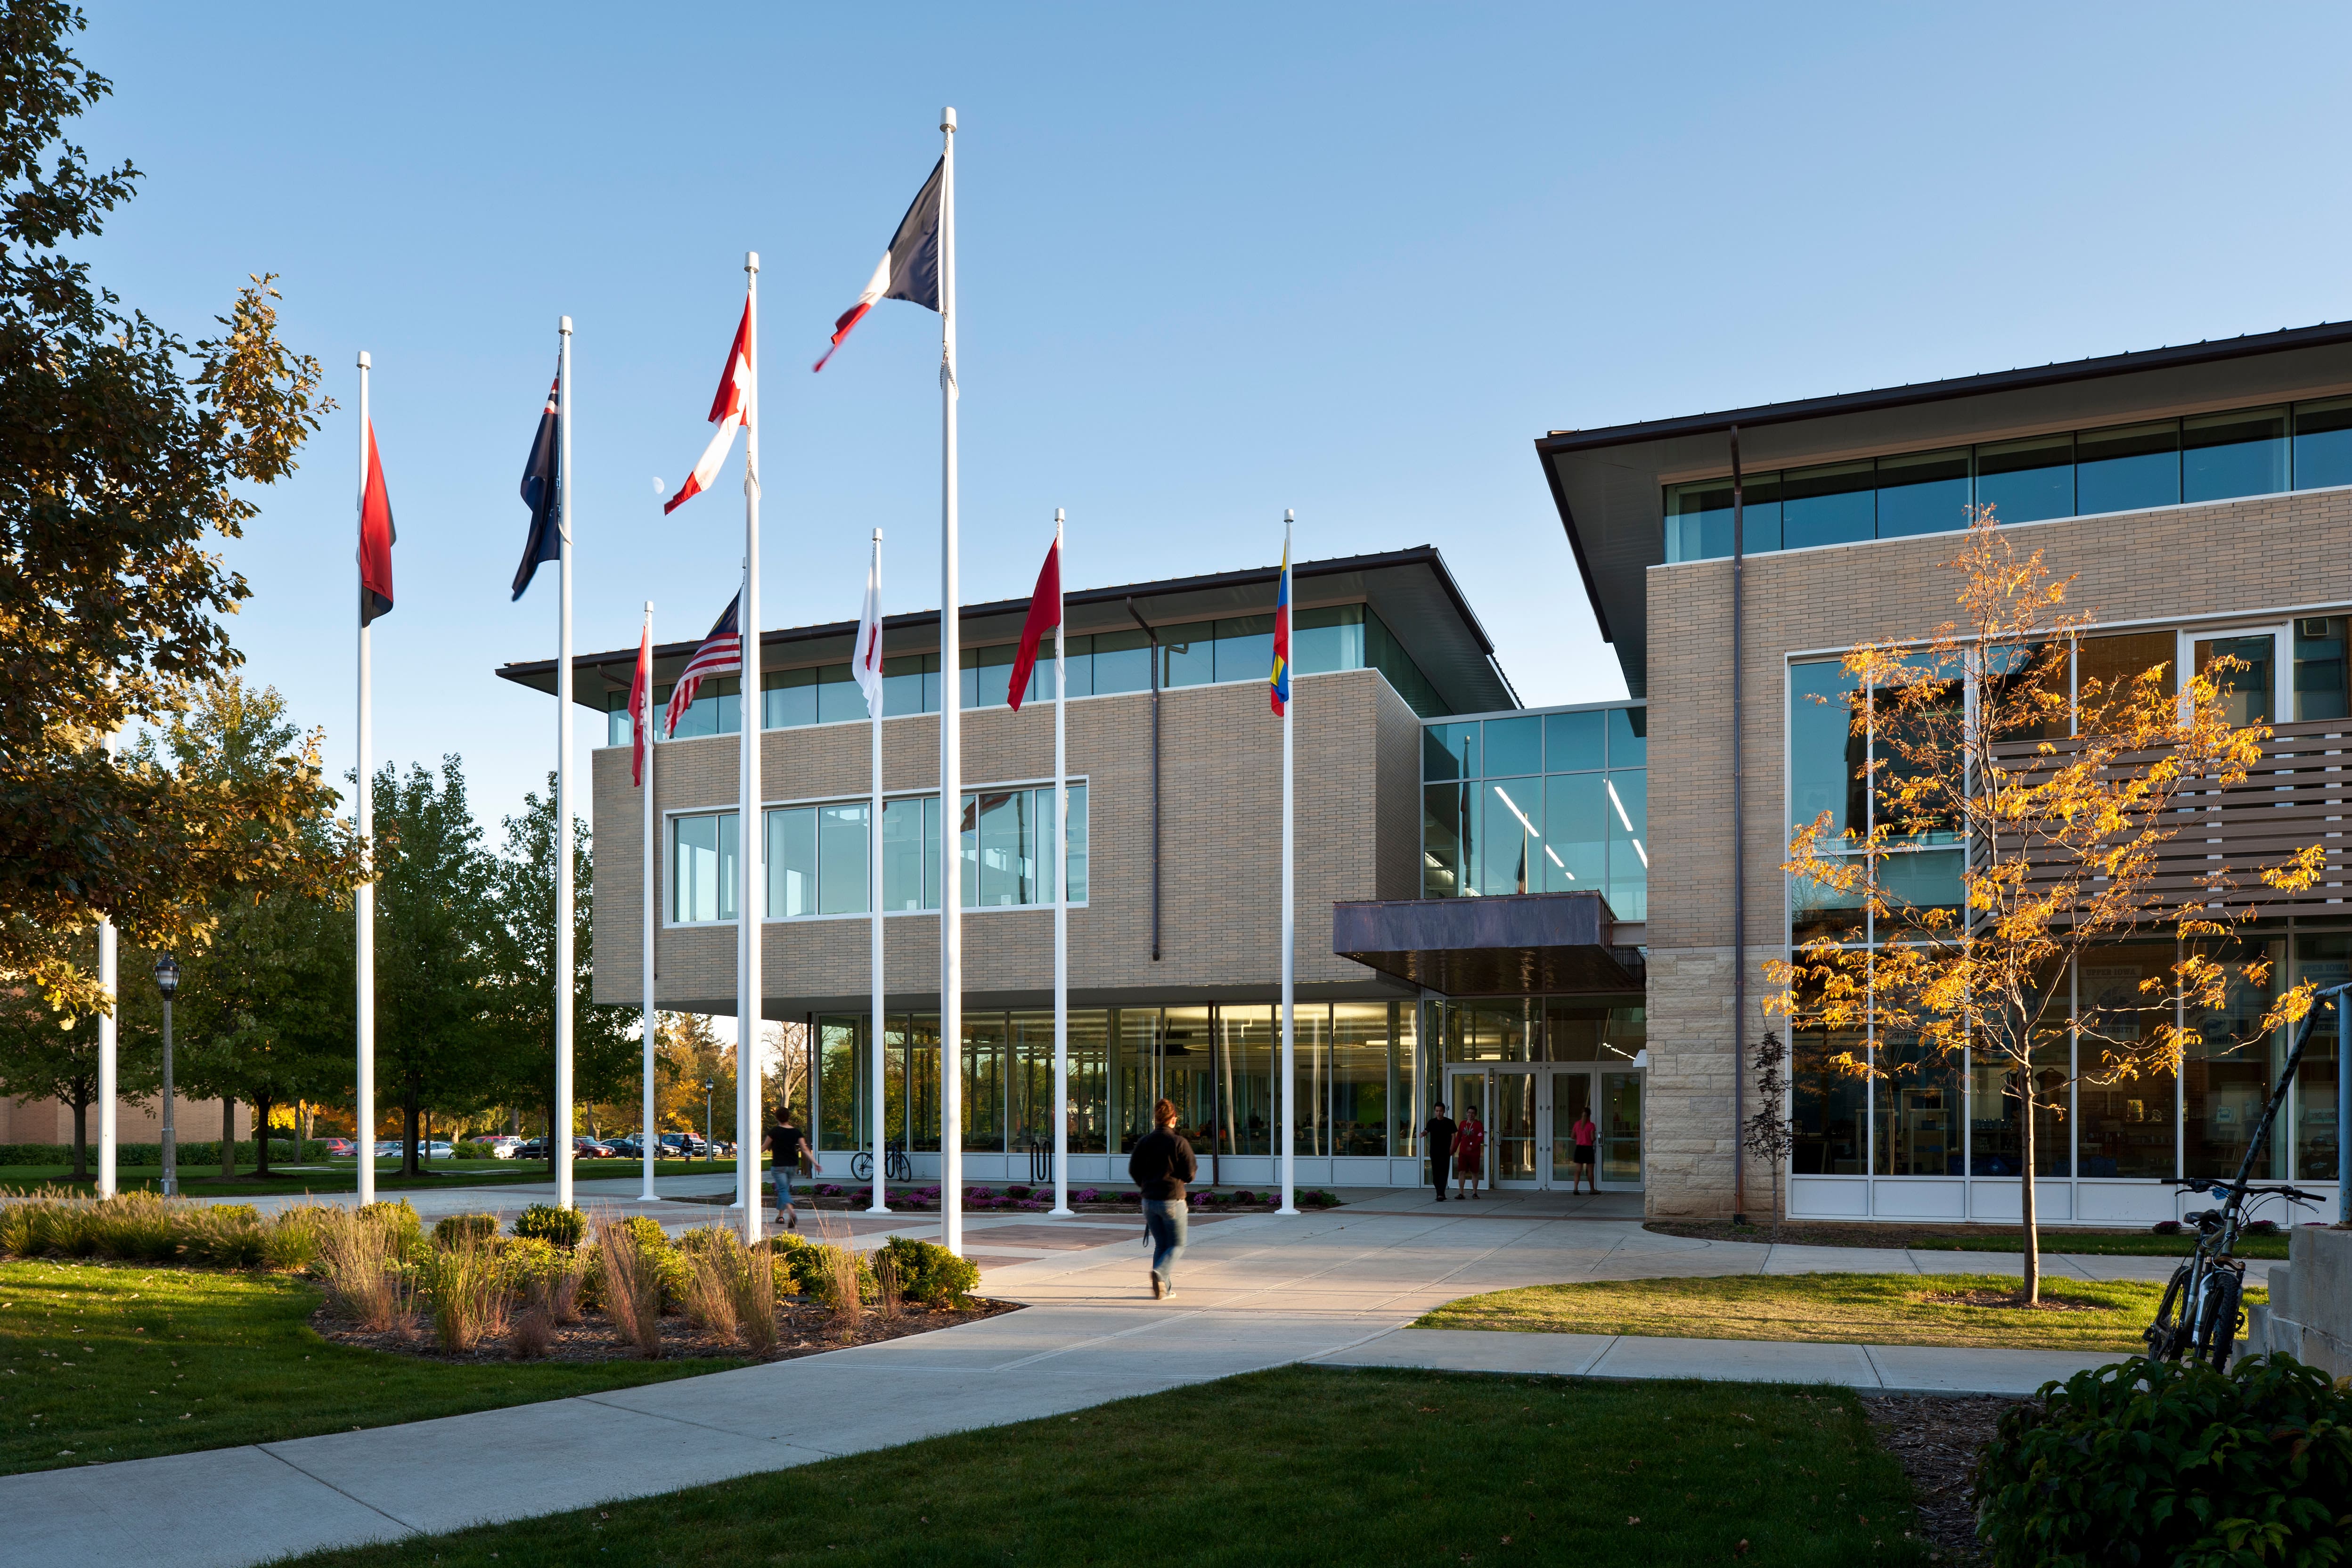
(1584, 1132)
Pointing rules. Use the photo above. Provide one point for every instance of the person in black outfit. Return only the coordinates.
(1438, 1139)
(1159, 1166)
(785, 1142)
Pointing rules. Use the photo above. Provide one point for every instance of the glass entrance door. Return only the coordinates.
(1511, 1130)
(1530, 1115)
(1468, 1093)
(1571, 1097)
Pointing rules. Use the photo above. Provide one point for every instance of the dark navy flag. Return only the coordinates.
(546, 541)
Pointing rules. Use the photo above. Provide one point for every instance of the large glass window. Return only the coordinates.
(717, 709)
(1514, 834)
(1361, 1033)
(1698, 517)
(1629, 859)
(1245, 647)
(1915, 1097)
(1835, 504)
(2128, 1118)
(704, 868)
(2128, 469)
(1826, 1101)
(2226, 1076)
(843, 1067)
(1188, 654)
(2319, 667)
(1575, 837)
(987, 1069)
(2031, 480)
(1536, 803)
(1826, 758)
(2324, 958)
(792, 863)
(2323, 444)
(1924, 492)
(1446, 839)
(1326, 639)
(1513, 746)
(2228, 454)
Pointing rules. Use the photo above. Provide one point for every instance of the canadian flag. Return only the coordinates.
(729, 410)
(641, 705)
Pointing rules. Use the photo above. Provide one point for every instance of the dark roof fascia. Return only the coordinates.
(539, 673)
(2320, 336)
(1576, 544)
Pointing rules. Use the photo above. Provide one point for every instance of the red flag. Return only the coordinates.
(641, 700)
(376, 538)
(729, 410)
(1044, 615)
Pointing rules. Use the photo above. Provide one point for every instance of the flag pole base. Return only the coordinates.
(1292, 1213)
(878, 1208)
(1061, 1214)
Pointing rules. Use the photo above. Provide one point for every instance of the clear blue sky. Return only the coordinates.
(1216, 261)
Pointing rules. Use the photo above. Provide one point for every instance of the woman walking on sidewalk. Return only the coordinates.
(785, 1146)
(1162, 1163)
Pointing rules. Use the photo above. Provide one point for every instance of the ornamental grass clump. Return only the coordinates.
(632, 1285)
(844, 1278)
(713, 1255)
(467, 1288)
(754, 1284)
(229, 1236)
(2166, 1462)
(360, 1265)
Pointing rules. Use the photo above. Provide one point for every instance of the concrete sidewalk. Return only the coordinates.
(1336, 1288)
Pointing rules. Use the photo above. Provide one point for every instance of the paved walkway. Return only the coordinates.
(1256, 1292)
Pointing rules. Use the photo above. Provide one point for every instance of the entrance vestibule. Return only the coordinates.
(1530, 1114)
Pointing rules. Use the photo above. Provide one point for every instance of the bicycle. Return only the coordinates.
(896, 1166)
(2200, 1314)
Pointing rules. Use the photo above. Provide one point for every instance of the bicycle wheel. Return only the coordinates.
(2165, 1337)
(901, 1168)
(2217, 1326)
(861, 1167)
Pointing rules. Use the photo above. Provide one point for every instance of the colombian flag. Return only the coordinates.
(1278, 683)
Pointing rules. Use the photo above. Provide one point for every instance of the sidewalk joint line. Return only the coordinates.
(381, 1513)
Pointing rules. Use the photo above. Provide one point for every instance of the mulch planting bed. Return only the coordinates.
(800, 1330)
(1937, 1439)
(1845, 1233)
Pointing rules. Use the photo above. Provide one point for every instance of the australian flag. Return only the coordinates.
(546, 541)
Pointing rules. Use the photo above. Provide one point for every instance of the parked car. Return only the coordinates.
(387, 1148)
(504, 1145)
(341, 1149)
(589, 1149)
(530, 1149)
(435, 1148)
(682, 1146)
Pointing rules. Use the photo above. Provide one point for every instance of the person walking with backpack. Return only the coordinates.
(1159, 1166)
(787, 1146)
(1469, 1153)
(1437, 1137)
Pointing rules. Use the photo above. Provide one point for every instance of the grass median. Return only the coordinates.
(1959, 1238)
(1303, 1465)
(1868, 1309)
(106, 1361)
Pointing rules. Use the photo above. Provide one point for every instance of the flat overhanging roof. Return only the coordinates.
(1609, 483)
(1516, 944)
(1411, 590)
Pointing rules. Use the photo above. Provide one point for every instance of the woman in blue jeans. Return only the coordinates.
(1159, 1166)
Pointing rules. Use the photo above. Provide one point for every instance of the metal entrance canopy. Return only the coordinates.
(1511, 944)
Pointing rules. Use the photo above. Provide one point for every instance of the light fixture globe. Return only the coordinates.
(167, 974)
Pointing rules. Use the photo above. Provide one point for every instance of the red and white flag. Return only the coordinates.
(729, 410)
(641, 705)
(721, 653)
(909, 269)
(867, 662)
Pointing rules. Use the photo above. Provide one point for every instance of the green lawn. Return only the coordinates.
(1303, 1465)
(1958, 1238)
(343, 1176)
(1870, 1309)
(123, 1361)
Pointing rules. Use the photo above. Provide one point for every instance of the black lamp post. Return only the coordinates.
(708, 1084)
(167, 981)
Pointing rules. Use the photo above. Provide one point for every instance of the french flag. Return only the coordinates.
(909, 269)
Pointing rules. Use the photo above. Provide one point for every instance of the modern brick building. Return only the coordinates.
(1492, 908)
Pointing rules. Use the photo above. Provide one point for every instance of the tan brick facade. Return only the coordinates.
(1357, 822)
(2272, 553)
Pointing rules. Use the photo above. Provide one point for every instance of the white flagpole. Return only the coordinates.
(881, 1155)
(1061, 898)
(644, 719)
(563, 957)
(749, 824)
(950, 737)
(1289, 910)
(363, 896)
(107, 1077)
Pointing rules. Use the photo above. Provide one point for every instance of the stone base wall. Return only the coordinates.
(1688, 1134)
(2310, 1311)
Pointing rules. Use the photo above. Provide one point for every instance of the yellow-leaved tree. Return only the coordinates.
(2066, 785)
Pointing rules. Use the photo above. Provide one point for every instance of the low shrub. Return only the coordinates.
(228, 1235)
(929, 1273)
(2261, 1227)
(292, 1243)
(465, 1284)
(2160, 1462)
(398, 1220)
(1020, 1192)
(451, 1229)
(562, 1227)
(810, 1270)
(1317, 1198)
(2166, 1228)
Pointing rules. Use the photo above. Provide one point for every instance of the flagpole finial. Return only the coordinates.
(877, 536)
(649, 606)
(364, 361)
(1288, 515)
(1057, 516)
(947, 120)
(750, 261)
(563, 325)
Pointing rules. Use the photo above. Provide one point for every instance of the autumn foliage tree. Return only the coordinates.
(125, 452)
(2064, 788)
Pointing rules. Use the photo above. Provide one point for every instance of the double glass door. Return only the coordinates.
(1530, 1115)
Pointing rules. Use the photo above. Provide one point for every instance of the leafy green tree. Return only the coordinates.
(264, 1015)
(123, 452)
(687, 1053)
(436, 925)
(604, 1042)
(47, 1053)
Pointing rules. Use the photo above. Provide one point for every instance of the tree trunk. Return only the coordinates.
(228, 1137)
(550, 1137)
(408, 1112)
(81, 1101)
(261, 1104)
(2032, 1285)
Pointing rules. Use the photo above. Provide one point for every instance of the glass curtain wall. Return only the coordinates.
(1538, 802)
(2125, 467)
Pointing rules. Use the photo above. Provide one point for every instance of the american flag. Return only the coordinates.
(721, 653)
